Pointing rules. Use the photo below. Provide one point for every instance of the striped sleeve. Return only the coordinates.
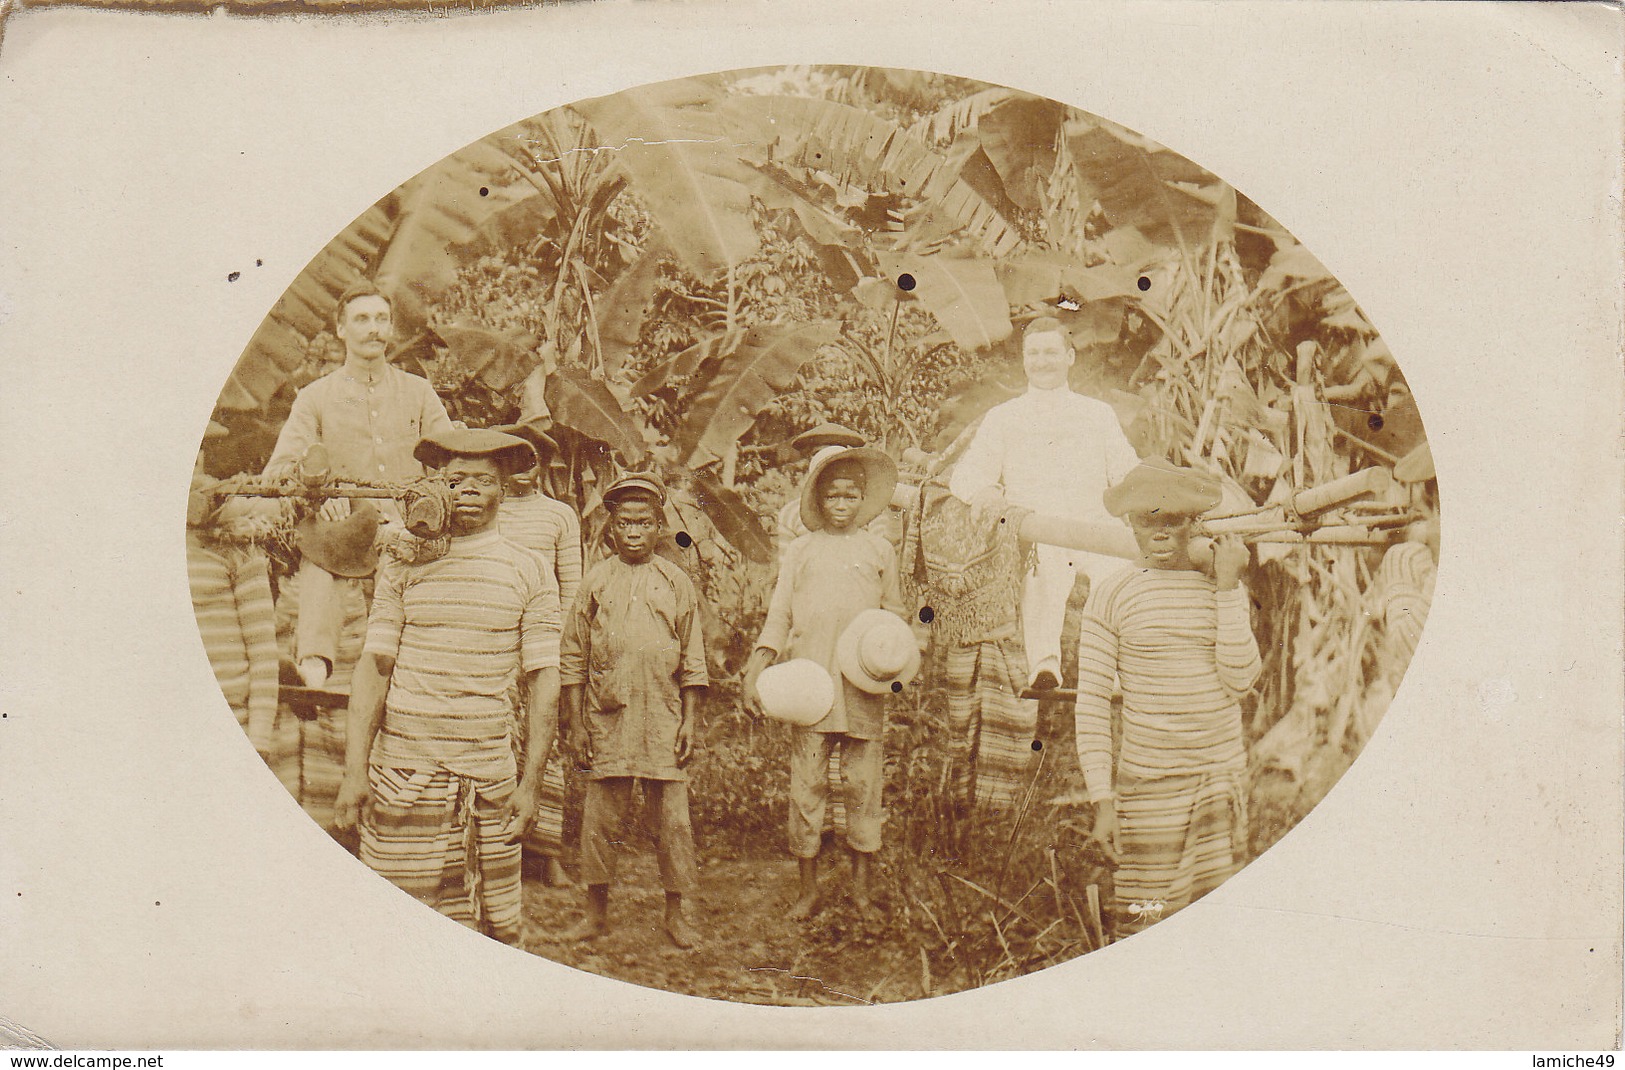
(1235, 654)
(1092, 716)
(387, 618)
(539, 620)
(567, 556)
(251, 586)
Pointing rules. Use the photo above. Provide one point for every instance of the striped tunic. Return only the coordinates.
(551, 529)
(1184, 653)
(1403, 590)
(462, 630)
(231, 596)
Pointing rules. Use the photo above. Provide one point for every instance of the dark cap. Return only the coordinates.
(1158, 486)
(511, 454)
(634, 484)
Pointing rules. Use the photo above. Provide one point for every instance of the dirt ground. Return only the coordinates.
(750, 950)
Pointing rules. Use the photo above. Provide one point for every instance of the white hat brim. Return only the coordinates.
(846, 652)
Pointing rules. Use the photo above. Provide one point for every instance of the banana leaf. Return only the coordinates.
(861, 149)
(949, 121)
(498, 359)
(1141, 184)
(746, 381)
(404, 242)
(962, 293)
(687, 362)
(674, 143)
(623, 307)
(1018, 137)
(586, 406)
(775, 189)
(733, 519)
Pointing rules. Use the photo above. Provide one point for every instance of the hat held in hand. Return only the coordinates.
(799, 691)
(877, 651)
(342, 547)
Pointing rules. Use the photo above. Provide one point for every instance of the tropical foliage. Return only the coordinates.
(683, 275)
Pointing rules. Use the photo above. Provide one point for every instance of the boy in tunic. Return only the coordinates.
(1182, 646)
(632, 669)
(549, 528)
(450, 641)
(827, 577)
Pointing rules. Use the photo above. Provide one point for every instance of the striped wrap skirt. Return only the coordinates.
(1179, 837)
(440, 837)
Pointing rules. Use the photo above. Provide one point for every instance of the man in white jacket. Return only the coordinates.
(1053, 451)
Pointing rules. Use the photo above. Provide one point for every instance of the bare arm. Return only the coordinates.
(368, 687)
(688, 725)
(541, 689)
(1235, 652)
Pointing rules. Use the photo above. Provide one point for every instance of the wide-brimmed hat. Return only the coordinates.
(636, 482)
(799, 691)
(1158, 486)
(510, 453)
(877, 651)
(342, 547)
(880, 479)
(531, 431)
(816, 438)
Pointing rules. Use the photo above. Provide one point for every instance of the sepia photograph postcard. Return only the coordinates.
(747, 525)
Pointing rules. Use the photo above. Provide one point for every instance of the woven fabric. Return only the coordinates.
(991, 730)
(1179, 838)
(441, 838)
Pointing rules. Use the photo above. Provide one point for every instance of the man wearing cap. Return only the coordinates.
(369, 415)
(1181, 644)
(549, 528)
(632, 668)
(1053, 451)
(430, 751)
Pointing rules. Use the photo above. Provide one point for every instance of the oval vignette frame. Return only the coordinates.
(682, 277)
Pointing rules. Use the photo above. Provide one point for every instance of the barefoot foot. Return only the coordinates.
(681, 932)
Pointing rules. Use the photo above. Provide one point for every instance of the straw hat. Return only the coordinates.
(1158, 486)
(510, 453)
(876, 651)
(817, 438)
(880, 473)
(799, 691)
(343, 547)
